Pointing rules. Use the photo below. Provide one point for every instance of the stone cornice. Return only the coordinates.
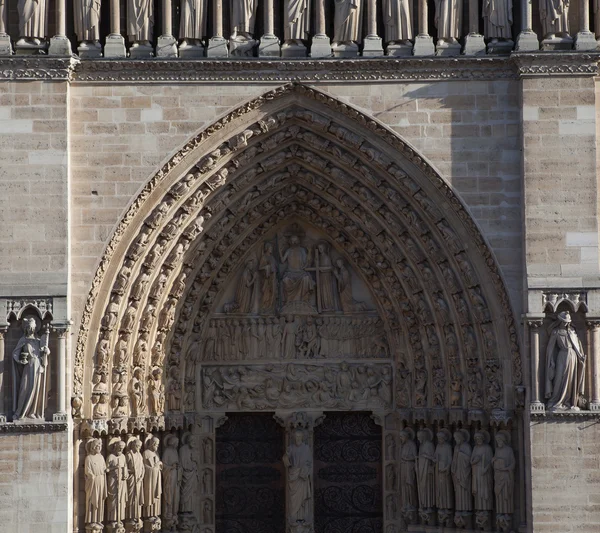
(519, 64)
(45, 427)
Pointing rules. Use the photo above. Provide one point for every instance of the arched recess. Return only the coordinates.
(296, 156)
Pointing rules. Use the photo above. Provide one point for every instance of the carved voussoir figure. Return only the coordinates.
(565, 365)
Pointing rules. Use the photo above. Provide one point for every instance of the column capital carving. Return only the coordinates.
(592, 324)
(299, 419)
(534, 324)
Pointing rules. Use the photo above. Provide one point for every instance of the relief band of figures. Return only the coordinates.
(435, 477)
(359, 27)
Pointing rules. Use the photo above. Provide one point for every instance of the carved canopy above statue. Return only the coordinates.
(295, 234)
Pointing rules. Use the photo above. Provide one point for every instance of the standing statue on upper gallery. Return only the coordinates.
(448, 21)
(30, 372)
(299, 464)
(87, 23)
(33, 22)
(297, 21)
(192, 24)
(347, 22)
(243, 17)
(504, 480)
(297, 284)
(397, 19)
(461, 475)
(267, 269)
(408, 475)
(188, 457)
(135, 481)
(444, 493)
(498, 19)
(482, 474)
(95, 485)
(565, 365)
(554, 15)
(172, 477)
(140, 23)
(116, 480)
(426, 474)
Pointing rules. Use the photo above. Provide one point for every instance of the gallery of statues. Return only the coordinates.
(299, 266)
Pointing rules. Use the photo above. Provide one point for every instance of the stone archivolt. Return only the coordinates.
(296, 155)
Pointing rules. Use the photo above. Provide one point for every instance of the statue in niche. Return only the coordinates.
(136, 392)
(192, 24)
(207, 482)
(33, 22)
(565, 365)
(207, 450)
(87, 23)
(190, 475)
(444, 493)
(297, 283)
(173, 390)
(390, 477)
(347, 22)
(117, 474)
(408, 475)
(268, 279)
(448, 21)
(299, 463)
(95, 484)
(498, 19)
(461, 472)
(246, 291)
(426, 474)
(140, 23)
(30, 370)
(156, 392)
(554, 15)
(325, 276)
(391, 509)
(152, 480)
(207, 512)
(135, 481)
(172, 477)
(297, 21)
(243, 16)
(397, 19)
(344, 282)
(390, 447)
(504, 480)
(482, 472)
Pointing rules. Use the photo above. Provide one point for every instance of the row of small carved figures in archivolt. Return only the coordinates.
(130, 483)
(449, 479)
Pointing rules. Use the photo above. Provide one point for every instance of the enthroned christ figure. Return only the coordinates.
(297, 284)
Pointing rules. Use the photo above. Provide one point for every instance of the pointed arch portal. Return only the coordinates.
(296, 257)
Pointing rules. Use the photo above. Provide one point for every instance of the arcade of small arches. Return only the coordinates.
(299, 268)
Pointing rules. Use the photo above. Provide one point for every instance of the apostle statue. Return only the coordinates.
(299, 464)
(444, 493)
(117, 474)
(297, 21)
(397, 19)
(268, 279)
(461, 474)
(171, 481)
(408, 478)
(140, 22)
(498, 19)
(135, 481)
(95, 484)
(243, 16)
(152, 481)
(87, 23)
(30, 365)
(297, 283)
(347, 22)
(192, 24)
(504, 480)
(448, 21)
(565, 362)
(188, 457)
(426, 473)
(554, 15)
(33, 22)
(482, 475)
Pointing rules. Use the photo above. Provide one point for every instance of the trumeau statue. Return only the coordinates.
(397, 19)
(87, 23)
(95, 484)
(33, 22)
(554, 15)
(498, 19)
(172, 477)
(565, 364)
(116, 482)
(243, 17)
(140, 22)
(192, 25)
(297, 20)
(299, 463)
(30, 370)
(448, 20)
(504, 479)
(347, 21)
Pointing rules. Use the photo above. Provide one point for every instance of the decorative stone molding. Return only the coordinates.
(577, 301)
(45, 427)
(544, 64)
(35, 68)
